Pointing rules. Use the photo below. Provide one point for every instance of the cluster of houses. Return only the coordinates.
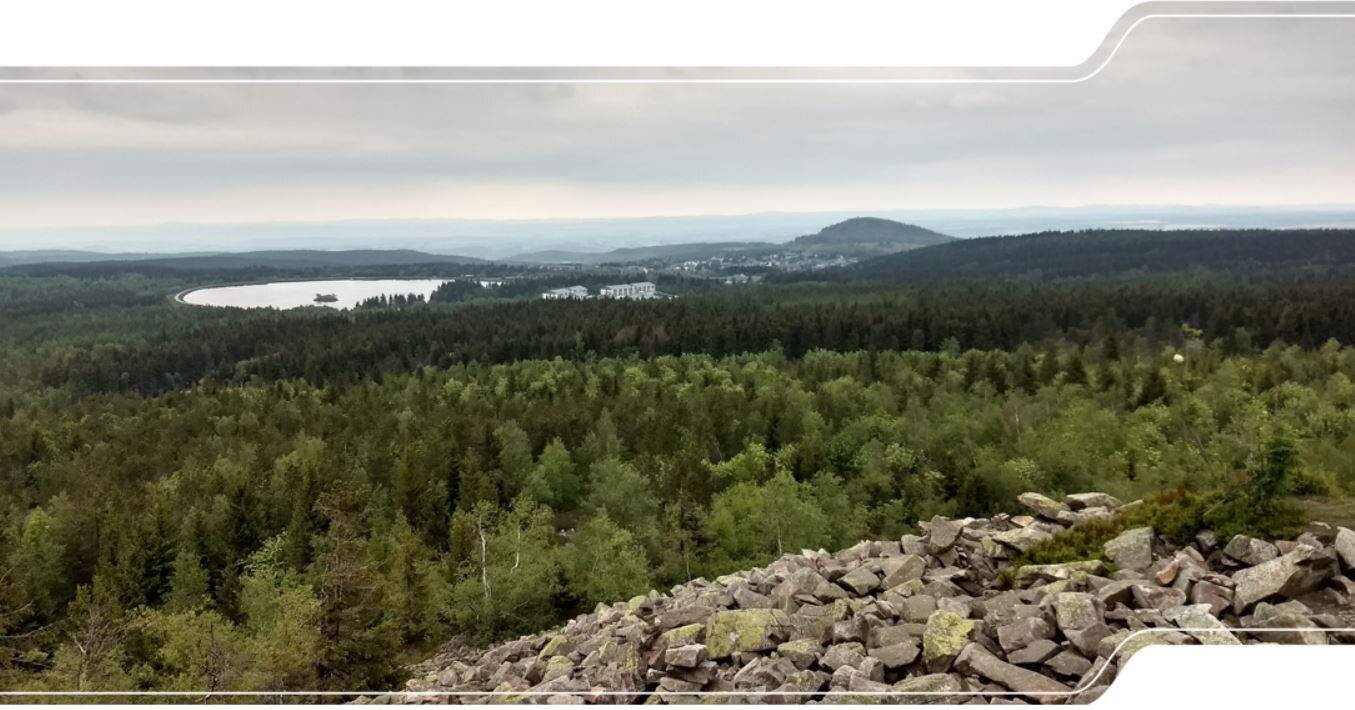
(639, 290)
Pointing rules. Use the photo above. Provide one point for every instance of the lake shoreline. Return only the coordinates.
(325, 286)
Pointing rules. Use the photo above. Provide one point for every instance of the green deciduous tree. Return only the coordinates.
(604, 563)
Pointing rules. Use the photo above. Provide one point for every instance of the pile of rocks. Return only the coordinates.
(926, 614)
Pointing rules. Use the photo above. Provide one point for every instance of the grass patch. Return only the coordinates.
(1337, 511)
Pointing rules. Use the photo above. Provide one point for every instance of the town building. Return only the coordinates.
(577, 293)
(637, 290)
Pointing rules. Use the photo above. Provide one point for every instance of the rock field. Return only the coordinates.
(906, 620)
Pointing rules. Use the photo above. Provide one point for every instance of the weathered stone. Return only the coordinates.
(975, 660)
(1167, 571)
(802, 653)
(683, 616)
(1284, 575)
(1345, 547)
(1120, 591)
(890, 635)
(1042, 505)
(763, 674)
(1288, 627)
(1080, 501)
(683, 635)
(928, 689)
(1037, 651)
(918, 608)
(557, 667)
(1198, 621)
(897, 655)
(797, 687)
(1021, 539)
(826, 591)
(557, 645)
(853, 629)
(873, 668)
(1087, 640)
(888, 548)
(1215, 596)
(1131, 549)
(905, 568)
(686, 656)
(1207, 540)
(1087, 515)
(861, 683)
(1019, 634)
(860, 580)
(956, 605)
(1148, 596)
(942, 588)
(1249, 550)
(1032, 574)
(913, 545)
(944, 638)
(1069, 664)
(1076, 610)
(843, 654)
(942, 533)
(673, 684)
(749, 599)
(743, 630)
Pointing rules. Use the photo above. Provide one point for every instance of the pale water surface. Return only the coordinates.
(291, 294)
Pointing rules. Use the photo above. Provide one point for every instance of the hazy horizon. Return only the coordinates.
(1213, 113)
(509, 237)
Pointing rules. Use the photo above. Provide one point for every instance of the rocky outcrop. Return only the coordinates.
(929, 618)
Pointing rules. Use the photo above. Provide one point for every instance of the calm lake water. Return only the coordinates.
(291, 294)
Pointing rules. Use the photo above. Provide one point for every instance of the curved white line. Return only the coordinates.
(1075, 80)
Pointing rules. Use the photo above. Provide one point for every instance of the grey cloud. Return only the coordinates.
(1204, 110)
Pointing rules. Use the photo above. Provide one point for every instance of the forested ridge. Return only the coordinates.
(177, 347)
(197, 499)
(1107, 252)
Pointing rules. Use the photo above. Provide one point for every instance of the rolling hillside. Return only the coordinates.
(1098, 253)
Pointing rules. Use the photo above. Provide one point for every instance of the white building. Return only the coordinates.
(639, 289)
(577, 293)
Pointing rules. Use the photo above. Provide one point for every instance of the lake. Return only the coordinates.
(292, 294)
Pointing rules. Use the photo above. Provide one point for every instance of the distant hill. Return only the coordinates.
(72, 256)
(554, 256)
(1094, 253)
(278, 259)
(869, 235)
(308, 258)
(858, 236)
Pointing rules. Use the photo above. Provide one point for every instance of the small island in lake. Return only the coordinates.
(325, 298)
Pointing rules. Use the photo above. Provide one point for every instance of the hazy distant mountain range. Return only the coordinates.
(858, 237)
(885, 251)
(278, 259)
(499, 239)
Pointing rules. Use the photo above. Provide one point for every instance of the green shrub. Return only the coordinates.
(1306, 482)
(1176, 515)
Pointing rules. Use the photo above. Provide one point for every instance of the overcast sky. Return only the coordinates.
(1243, 112)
